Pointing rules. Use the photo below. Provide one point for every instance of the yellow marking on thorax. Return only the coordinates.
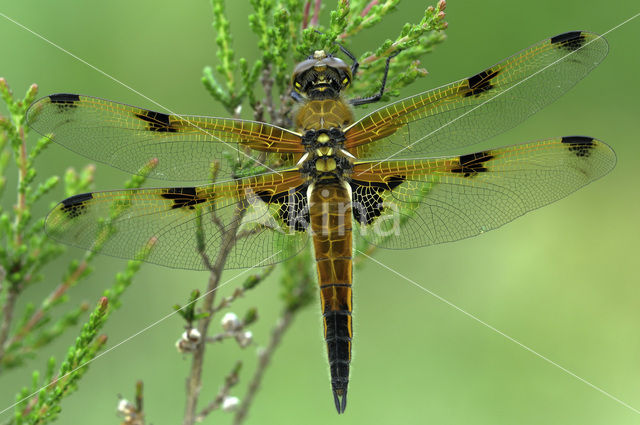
(324, 151)
(325, 165)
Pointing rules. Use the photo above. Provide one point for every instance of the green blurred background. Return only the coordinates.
(562, 280)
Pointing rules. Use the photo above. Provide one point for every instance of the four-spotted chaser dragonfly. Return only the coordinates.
(379, 178)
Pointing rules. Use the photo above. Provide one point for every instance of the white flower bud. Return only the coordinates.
(188, 341)
(193, 335)
(244, 338)
(230, 322)
(125, 407)
(229, 404)
(180, 346)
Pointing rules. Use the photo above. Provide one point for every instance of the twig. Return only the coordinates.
(139, 396)
(222, 335)
(21, 205)
(53, 296)
(194, 381)
(267, 83)
(286, 107)
(230, 381)
(7, 315)
(264, 358)
(250, 232)
(133, 413)
(305, 15)
(316, 13)
(368, 7)
(248, 284)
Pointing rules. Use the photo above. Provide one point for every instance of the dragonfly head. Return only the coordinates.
(321, 76)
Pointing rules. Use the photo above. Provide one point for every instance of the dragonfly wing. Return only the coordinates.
(419, 202)
(265, 217)
(127, 137)
(473, 109)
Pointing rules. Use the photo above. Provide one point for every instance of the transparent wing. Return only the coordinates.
(127, 137)
(262, 216)
(473, 109)
(413, 203)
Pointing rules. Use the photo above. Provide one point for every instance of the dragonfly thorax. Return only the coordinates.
(323, 138)
(318, 166)
(325, 157)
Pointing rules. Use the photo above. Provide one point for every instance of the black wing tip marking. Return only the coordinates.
(157, 121)
(64, 97)
(367, 201)
(581, 146)
(75, 206)
(182, 197)
(64, 100)
(580, 140)
(481, 82)
(473, 163)
(572, 40)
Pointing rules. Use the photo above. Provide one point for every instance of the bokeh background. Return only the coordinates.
(562, 280)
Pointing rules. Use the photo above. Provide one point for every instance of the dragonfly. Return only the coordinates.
(391, 177)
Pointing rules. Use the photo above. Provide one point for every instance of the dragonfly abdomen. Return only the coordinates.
(330, 214)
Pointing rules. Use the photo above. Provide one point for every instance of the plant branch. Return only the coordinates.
(194, 381)
(267, 83)
(305, 16)
(229, 382)
(60, 290)
(264, 358)
(248, 284)
(7, 315)
(22, 176)
(316, 13)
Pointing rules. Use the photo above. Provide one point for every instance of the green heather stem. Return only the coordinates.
(58, 292)
(7, 316)
(21, 206)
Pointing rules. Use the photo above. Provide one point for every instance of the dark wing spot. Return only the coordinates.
(473, 163)
(569, 40)
(157, 121)
(294, 209)
(64, 100)
(394, 181)
(581, 146)
(481, 82)
(75, 205)
(183, 197)
(367, 202)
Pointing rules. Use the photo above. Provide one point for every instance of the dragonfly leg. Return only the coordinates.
(378, 96)
(296, 96)
(355, 65)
